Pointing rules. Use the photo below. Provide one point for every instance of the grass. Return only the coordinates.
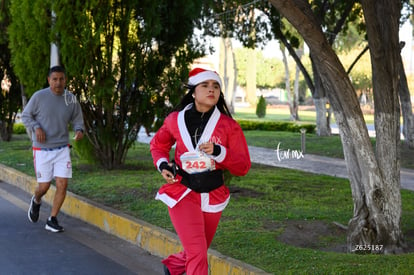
(263, 203)
(325, 146)
(328, 146)
(281, 113)
(274, 114)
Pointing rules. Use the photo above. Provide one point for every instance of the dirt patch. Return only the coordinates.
(313, 234)
(321, 235)
(244, 192)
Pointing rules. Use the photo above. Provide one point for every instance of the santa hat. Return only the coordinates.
(198, 75)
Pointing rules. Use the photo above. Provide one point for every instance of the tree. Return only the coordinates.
(332, 15)
(10, 87)
(374, 177)
(228, 71)
(293, 98)
(333, 20)
(130, 59)
(268, 74)
(406, 106)
(29, 34)
(261, 107)
(126, 61)
(404, 92)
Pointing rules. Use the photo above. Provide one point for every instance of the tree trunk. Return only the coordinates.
(319, 100)
(227, 70)
(234, 70)
(406, 108)
(374, 181)
(322, 117)
(251, 78)
(287, 82)
(295, 101)
(382, 20)
(10, 103)
(6, 130)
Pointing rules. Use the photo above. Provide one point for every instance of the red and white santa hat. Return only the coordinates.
(198, 75)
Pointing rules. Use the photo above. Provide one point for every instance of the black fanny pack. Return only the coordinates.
(203, 182)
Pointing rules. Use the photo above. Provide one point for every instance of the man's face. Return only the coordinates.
(57, 82)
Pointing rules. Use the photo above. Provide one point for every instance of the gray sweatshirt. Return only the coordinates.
(52, 113)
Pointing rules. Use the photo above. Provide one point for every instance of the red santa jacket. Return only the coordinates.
(221, 130)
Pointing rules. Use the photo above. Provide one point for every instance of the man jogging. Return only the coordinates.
(47, 116)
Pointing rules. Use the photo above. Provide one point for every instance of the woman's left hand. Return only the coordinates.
(207, 147)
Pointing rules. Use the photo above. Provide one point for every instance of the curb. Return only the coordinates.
(155, 240)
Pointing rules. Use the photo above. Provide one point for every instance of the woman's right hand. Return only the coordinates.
(168, 176)
(167, 172)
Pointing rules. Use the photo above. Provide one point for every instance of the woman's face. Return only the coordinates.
(206, 95)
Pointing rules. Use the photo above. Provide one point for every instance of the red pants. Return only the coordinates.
(196, 230)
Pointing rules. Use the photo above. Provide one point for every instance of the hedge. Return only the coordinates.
(18, 128)
(275, 126)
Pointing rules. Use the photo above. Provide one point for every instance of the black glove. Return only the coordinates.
(165, 166)
(216, 150)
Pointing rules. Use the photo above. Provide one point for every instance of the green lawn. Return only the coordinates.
(306, 114)
(264, 203)
(274, 114)
(325, 146)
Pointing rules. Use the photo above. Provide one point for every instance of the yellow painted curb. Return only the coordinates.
(153, 239)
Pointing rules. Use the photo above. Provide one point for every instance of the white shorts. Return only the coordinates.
(50, 164)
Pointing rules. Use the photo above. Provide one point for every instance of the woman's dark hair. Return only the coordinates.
(188, 98)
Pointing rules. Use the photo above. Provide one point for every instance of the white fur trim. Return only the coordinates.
(170, 202)
(222, 156)
(161, 160)
(185, 136)
(209, 208)
(204, 76)
(208, 131)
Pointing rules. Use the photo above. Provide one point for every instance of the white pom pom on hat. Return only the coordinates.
(198, 75)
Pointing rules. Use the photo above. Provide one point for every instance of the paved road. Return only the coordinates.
(27, 248)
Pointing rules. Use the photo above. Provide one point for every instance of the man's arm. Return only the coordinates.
(28, 115)
(77, 122)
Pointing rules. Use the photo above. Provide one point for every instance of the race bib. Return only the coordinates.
(196, 162)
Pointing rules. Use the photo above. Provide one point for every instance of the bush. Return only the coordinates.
(261, 107)
(18, 128)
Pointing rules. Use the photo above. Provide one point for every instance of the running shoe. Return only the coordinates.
(53, 225)
(33, 213)
(166, 271)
